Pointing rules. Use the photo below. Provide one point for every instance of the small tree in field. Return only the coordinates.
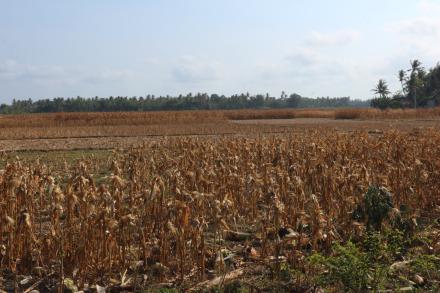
(382, 90)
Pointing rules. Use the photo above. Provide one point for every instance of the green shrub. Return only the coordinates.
(376, 205)
(347, 268)
(427, 265)
(361, 268)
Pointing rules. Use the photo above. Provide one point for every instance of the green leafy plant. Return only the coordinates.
(357, 268)
(396, 243)
(375, 207)
(427, 265)
(347, 268)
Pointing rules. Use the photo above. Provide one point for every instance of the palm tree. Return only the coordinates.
(381, 89)
(402, 78)
(416, 65)
(414, 80)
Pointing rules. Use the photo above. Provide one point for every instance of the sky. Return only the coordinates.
(66, 48)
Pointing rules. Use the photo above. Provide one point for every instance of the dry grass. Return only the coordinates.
(168, 210)
(278, 114)
(191, 117)
(348, 114)
(220, 128)
(110, 119)
(372, 114)
(201, 117)
(345, 113)
(68, 125)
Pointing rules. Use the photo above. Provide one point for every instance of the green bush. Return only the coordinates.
(427, 265)
(376, 205)
(347, 268)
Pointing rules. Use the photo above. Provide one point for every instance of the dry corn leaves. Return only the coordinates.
(184, 210)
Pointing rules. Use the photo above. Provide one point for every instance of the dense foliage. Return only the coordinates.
(420, 88)
(189, 102)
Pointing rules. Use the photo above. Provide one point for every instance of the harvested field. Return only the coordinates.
(168, 208)
(259, 204)
(114, 130)
(348, 125)
(344, 113)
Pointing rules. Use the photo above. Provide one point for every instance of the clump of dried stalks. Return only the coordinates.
(371, 114)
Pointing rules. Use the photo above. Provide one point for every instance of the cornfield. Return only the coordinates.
(73, 119)
(185, 211)
(109, 118)
(334, 113)
(212, 122)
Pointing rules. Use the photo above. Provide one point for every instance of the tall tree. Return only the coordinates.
(414, 80)
(402, 79)
(381, 89)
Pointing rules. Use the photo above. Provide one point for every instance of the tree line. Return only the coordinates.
(199, 101)
(419, 88)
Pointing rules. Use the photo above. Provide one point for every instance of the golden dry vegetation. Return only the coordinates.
(109, 118)
(195, 213)
(335, 113)
(138, 124)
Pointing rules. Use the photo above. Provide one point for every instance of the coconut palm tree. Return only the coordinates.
(414, 79)
(402, 79)
(416, 65)
(381, 89)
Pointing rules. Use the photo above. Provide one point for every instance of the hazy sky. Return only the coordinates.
(134, 47)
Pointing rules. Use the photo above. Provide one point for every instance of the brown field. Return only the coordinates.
(217, 200)
(62, 131)
(201, 117)
(109, 119)
(364, 114)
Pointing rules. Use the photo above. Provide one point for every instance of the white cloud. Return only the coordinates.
(8, 69)
(45, 72)
(429, 7)
(313, 72)
(306, 67)
(47, 75)
(417, 37)
(108, 75)
(303, 57)
(12, 70)
(312, 63)
(336, 38)
(422, 27)
(192, 69)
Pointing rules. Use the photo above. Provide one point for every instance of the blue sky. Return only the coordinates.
(133, 47)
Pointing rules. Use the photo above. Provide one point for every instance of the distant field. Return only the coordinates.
(336, 113)
(203, 116)
(145, 124)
